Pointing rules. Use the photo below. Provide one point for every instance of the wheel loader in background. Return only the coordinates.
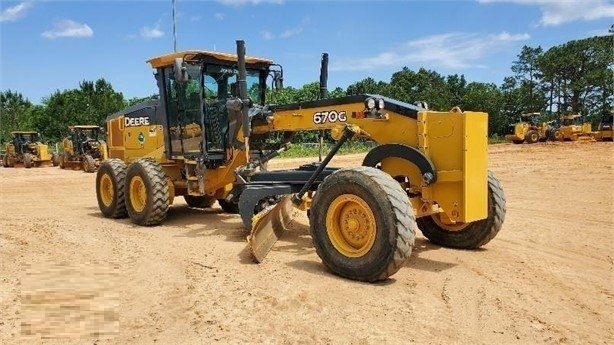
(83, 149)
(25, 149)
(529, 129)
(210, 133)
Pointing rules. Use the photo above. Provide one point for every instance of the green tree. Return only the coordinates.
(15, 113)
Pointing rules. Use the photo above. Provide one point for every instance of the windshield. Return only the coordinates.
(213, 85)
(31, 137)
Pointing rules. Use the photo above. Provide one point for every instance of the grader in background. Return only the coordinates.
(529, 129)
(573, 128)
(83, 149)
(25, 149)
(209, 135)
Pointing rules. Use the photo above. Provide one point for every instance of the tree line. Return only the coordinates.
(575, 77)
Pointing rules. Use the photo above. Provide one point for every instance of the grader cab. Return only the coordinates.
(25, 149)
(209, 135)
(83, 149)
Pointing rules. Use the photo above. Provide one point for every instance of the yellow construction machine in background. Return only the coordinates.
(209, 135)
(25, 149)
(83, 149)
(605, 130)
(573, 128)
(529, 129)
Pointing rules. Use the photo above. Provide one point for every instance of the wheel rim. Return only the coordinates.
(350, 225)
(458, 226)
(534, 137)
(106, 190)
(138, 194)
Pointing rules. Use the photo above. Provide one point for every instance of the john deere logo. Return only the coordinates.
(141, 138)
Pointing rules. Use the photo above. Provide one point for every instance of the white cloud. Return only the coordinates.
(267, 35)
(237, 3)
(68, 28)
(450, 50)
(291, 32)
(16, 12)
(565, 11)
(220, 16)
(155, 32)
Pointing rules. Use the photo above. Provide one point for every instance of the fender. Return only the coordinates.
(427, 169)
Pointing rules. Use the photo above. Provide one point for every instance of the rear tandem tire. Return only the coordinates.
(111, 187)
(472, 235)
(362, 224)
(199, 201)
(147, 193)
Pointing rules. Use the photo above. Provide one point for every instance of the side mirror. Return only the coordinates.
(278, 79)
(179, 71)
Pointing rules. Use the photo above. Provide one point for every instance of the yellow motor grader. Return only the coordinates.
(83, 149)
(529, 129)
(209, 135)
(25, 149)
(573, 128)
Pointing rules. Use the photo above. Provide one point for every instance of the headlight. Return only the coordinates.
(370, 103)
(380, 104)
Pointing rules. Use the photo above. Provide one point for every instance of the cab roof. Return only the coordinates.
(83, 127)
(168, 59)
(23, 132)
(571, 116)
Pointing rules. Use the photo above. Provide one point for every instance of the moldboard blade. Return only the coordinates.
(267, 227)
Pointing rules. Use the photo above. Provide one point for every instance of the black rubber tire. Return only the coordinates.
(557, 135)
(10, 161)
(156, 189)
(89, 165)
(115, 169)
(199, 201)
(5, 161)
(228, 207)
(531, 137)
(476, 234)
(54, 159)
(518, 141)
(27, 160)
(62, 161)
(394, 218)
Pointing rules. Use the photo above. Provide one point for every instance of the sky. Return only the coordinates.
(53, 45)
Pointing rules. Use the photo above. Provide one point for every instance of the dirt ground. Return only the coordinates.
(68, 275)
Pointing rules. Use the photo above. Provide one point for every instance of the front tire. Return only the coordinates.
(362, 224)
(146, 192)
(89, 165)
(532, 137)
(471, 235)
(27, 160)
(111, 188)
(228, 207)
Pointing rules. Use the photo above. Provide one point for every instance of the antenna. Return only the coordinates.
(174, 30)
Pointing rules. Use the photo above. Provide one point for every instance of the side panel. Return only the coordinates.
(475, 167)
(129, 140)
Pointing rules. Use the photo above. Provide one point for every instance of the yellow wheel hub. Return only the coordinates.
(138, 194)
(350, 225)
(106, 190)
